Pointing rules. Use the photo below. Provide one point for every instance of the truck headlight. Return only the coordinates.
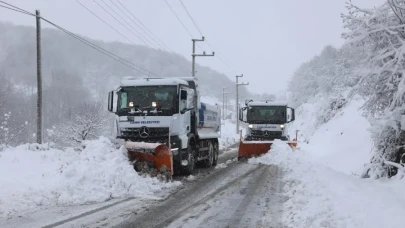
(282, 126)
(250, 125)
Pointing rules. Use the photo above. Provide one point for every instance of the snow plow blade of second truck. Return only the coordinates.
(156, 154)
(248, 149)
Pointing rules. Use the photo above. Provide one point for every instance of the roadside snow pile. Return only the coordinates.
(228, 135)
(318, 196)
(32, 177)
(231, 160)
(221, 166)
(191, 178)
(276, 156)
(343, 143)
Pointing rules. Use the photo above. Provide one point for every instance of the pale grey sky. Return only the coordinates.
(266, 40)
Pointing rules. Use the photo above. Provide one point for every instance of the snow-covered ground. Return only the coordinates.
(343, 143)
(322, 187)
(228, 134)
(34, 178)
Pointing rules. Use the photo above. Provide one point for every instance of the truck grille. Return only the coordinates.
(145, 133)
(266, 135)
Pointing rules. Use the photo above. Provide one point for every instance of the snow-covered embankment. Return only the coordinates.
(33, 177)
(322, 187)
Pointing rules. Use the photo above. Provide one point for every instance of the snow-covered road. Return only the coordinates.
(240, 195)
(250, 200)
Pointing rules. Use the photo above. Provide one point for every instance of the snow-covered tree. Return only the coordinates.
(381, 33)
(328, 75)
(85, 122)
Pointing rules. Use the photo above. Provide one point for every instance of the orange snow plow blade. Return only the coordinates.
(157, 154)
(248, 149)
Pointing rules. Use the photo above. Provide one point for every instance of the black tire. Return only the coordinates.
(209, 162)
(216, 154)
(189, 168)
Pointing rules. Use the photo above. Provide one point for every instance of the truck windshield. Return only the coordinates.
(266, 115)
(150, 100)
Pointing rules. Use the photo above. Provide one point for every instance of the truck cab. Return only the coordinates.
(167, 111)
(266, 120)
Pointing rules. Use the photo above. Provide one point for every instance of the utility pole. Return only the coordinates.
(237, 101)
(39, 80)
(194, 55)
(223, 102)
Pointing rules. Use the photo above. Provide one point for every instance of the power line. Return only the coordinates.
(18, 9)
(144, 25)
(125, 21)
(102, 50)
(199, 30)
(15, 10)
(181, 22)
(137, 25)
(184, 26)
(184, 7)
(219, 56)
(120, 22)
(88, 43)
(105, 22)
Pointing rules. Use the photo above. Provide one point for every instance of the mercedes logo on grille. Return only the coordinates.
(266, 133)
(144, 132)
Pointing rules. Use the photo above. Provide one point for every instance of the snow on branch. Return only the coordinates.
(84, 122)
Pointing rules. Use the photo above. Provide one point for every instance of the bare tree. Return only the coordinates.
(85, 122)
(5, 89)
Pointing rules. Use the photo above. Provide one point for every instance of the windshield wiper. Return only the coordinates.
(132, 110)
(152, 109)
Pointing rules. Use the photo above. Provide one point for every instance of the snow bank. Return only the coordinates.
(343, 143)
(33, 177)
(221, 166)
(228, 134)
(318, 196)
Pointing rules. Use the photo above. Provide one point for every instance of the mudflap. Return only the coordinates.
(159, 155)
(248, 149)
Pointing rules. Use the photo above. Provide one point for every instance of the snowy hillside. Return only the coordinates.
(75, 77)
(369, 65)
(343, 143)
(64, 56)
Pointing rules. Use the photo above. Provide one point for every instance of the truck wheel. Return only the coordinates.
(187, 169)
(216, 154)
(211, 154)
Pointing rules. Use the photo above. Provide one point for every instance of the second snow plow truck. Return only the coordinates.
(264, 122)
(164, 123)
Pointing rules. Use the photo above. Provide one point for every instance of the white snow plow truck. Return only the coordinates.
(164, 123)
(264, 122)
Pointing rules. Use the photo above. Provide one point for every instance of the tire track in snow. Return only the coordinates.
(249, 195)
(253, 201)
(180, 204)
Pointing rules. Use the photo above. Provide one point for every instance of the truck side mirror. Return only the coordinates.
(241, 114)
(291, 118)
(183, 95)
(110, 101)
